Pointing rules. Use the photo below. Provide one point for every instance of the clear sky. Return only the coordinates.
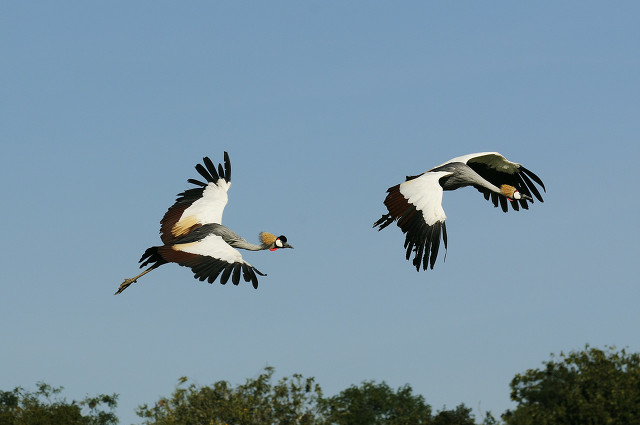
(105, 108)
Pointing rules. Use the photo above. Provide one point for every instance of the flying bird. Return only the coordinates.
(416, 204)
(193, 236)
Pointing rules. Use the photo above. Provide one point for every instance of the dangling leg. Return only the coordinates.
(150, 256)
(124, 285)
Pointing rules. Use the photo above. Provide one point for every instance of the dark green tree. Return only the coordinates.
(591, 386)
(258, 401)
(45, 406)
(461, 415)
(377, 404)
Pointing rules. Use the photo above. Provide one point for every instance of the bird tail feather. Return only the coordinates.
(153, 257)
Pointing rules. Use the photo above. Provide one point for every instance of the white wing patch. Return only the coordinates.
(426, 194)
(210, 207)
(212, 246)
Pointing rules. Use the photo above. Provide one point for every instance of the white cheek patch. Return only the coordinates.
(279, 243)
(516, 195)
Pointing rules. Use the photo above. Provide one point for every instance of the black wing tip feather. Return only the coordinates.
(196, 182)
(521, 178)
(249, 274)
(153, 257)
(190, 195)
(211, 173)
(504, 204)
(213, 268)
(530, 187)
(206, 173)
(421, 240)
(384, 221)
(533, 176)
(524, 186)
(227, 167)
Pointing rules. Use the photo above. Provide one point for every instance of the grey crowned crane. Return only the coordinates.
(194, 237)
(416, 204)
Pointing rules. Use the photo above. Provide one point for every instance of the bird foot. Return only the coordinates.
(124, 285)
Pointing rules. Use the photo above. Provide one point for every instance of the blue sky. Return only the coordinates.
(106, 108)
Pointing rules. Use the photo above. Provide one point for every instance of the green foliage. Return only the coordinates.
(45, 406)
(489, 419)
(461, 415)
(295, 400)
(290, 401)
(377, 404)
(587, 387)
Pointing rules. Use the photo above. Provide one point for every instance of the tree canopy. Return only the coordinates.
(289, 401)
(592, 386)
(295, 400)
(585, 387)
(373, 404)
(46, 406)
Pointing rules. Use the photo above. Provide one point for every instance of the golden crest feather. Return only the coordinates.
(267, 238)
(507, 190)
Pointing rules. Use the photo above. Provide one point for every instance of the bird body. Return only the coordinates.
(194, 237)
(416, 204)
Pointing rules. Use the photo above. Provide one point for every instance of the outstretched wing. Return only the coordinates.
(211, 257)
(200, 205)
(498, 170)
(416, 204)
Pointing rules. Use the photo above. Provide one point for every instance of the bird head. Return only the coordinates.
(272, 242)
(512, 193)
